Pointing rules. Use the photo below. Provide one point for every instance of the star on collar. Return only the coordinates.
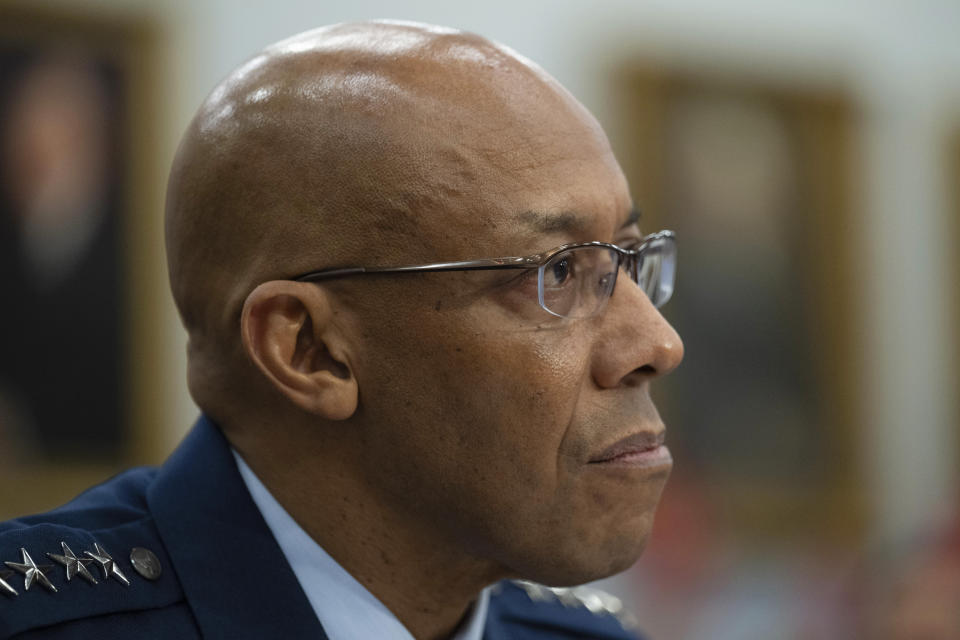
(32, 572)
(73, 564)
(107, 564)
(4, 587)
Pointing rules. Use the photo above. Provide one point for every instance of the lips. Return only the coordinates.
(638, 443)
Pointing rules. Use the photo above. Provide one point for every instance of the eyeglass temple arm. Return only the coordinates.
(467, 265)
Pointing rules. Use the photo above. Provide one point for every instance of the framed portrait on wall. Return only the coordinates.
(758, 182)
(75, 115)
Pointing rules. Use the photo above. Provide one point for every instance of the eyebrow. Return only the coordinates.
(567, 221)
(633, 218)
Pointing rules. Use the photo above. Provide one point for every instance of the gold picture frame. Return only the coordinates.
(759, 181)
(111, 64)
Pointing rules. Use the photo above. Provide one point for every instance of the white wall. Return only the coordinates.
(901, 60)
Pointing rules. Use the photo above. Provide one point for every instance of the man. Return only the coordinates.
(383, 449)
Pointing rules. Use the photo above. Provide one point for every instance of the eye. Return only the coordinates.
(606, 281)
(559, 272)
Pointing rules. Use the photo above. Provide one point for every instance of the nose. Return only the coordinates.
(636, 343)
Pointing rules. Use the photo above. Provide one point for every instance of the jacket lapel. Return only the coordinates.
(234, 575)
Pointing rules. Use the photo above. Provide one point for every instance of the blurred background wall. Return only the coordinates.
(857, 102)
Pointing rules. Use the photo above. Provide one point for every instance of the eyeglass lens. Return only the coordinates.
(577, 283)
(657, 270)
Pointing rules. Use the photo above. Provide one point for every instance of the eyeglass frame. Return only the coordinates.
(534, 261)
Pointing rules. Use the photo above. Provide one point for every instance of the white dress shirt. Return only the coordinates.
(344, 607)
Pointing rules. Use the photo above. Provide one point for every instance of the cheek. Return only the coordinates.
(483, 412)
(508, 398)
(530, 370)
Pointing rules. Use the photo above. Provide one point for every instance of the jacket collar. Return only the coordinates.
(234, 575)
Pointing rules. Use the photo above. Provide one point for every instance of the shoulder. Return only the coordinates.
(120, 499)
(96, 560)
(522, 610)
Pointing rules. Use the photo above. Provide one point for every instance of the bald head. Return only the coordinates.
(356, 143)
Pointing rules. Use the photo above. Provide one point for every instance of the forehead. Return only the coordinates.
(477, 143)
(533, 208)
(522, 185)
(429, 144)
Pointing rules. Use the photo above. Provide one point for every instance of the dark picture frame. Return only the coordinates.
(81, 343)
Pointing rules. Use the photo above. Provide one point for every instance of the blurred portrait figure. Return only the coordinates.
(732, 182)
(60, 333)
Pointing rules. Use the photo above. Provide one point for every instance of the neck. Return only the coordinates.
(426, 581)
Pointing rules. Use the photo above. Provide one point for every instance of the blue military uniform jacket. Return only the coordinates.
(182, 552)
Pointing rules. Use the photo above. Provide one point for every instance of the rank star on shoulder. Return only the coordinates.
(4, 586)
(73, 564)
(32, 572)
(107, 564)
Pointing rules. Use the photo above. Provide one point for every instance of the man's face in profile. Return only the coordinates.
(466, 417)
(498, 417)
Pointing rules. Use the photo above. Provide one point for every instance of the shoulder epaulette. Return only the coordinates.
(52, 574)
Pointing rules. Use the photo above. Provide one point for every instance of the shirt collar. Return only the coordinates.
(344, 606)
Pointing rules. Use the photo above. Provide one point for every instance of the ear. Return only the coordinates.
(287, 332)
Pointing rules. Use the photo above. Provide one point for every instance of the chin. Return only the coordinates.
(573, 542)
(579, 562)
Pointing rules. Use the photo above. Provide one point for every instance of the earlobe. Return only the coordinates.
(287, 333)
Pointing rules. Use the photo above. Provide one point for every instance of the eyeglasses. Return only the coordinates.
(573, 280)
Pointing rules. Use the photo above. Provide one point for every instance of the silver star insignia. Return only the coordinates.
(74, 565)
(536, 592)
(4, 587)
(107, 564)
(32, 572)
